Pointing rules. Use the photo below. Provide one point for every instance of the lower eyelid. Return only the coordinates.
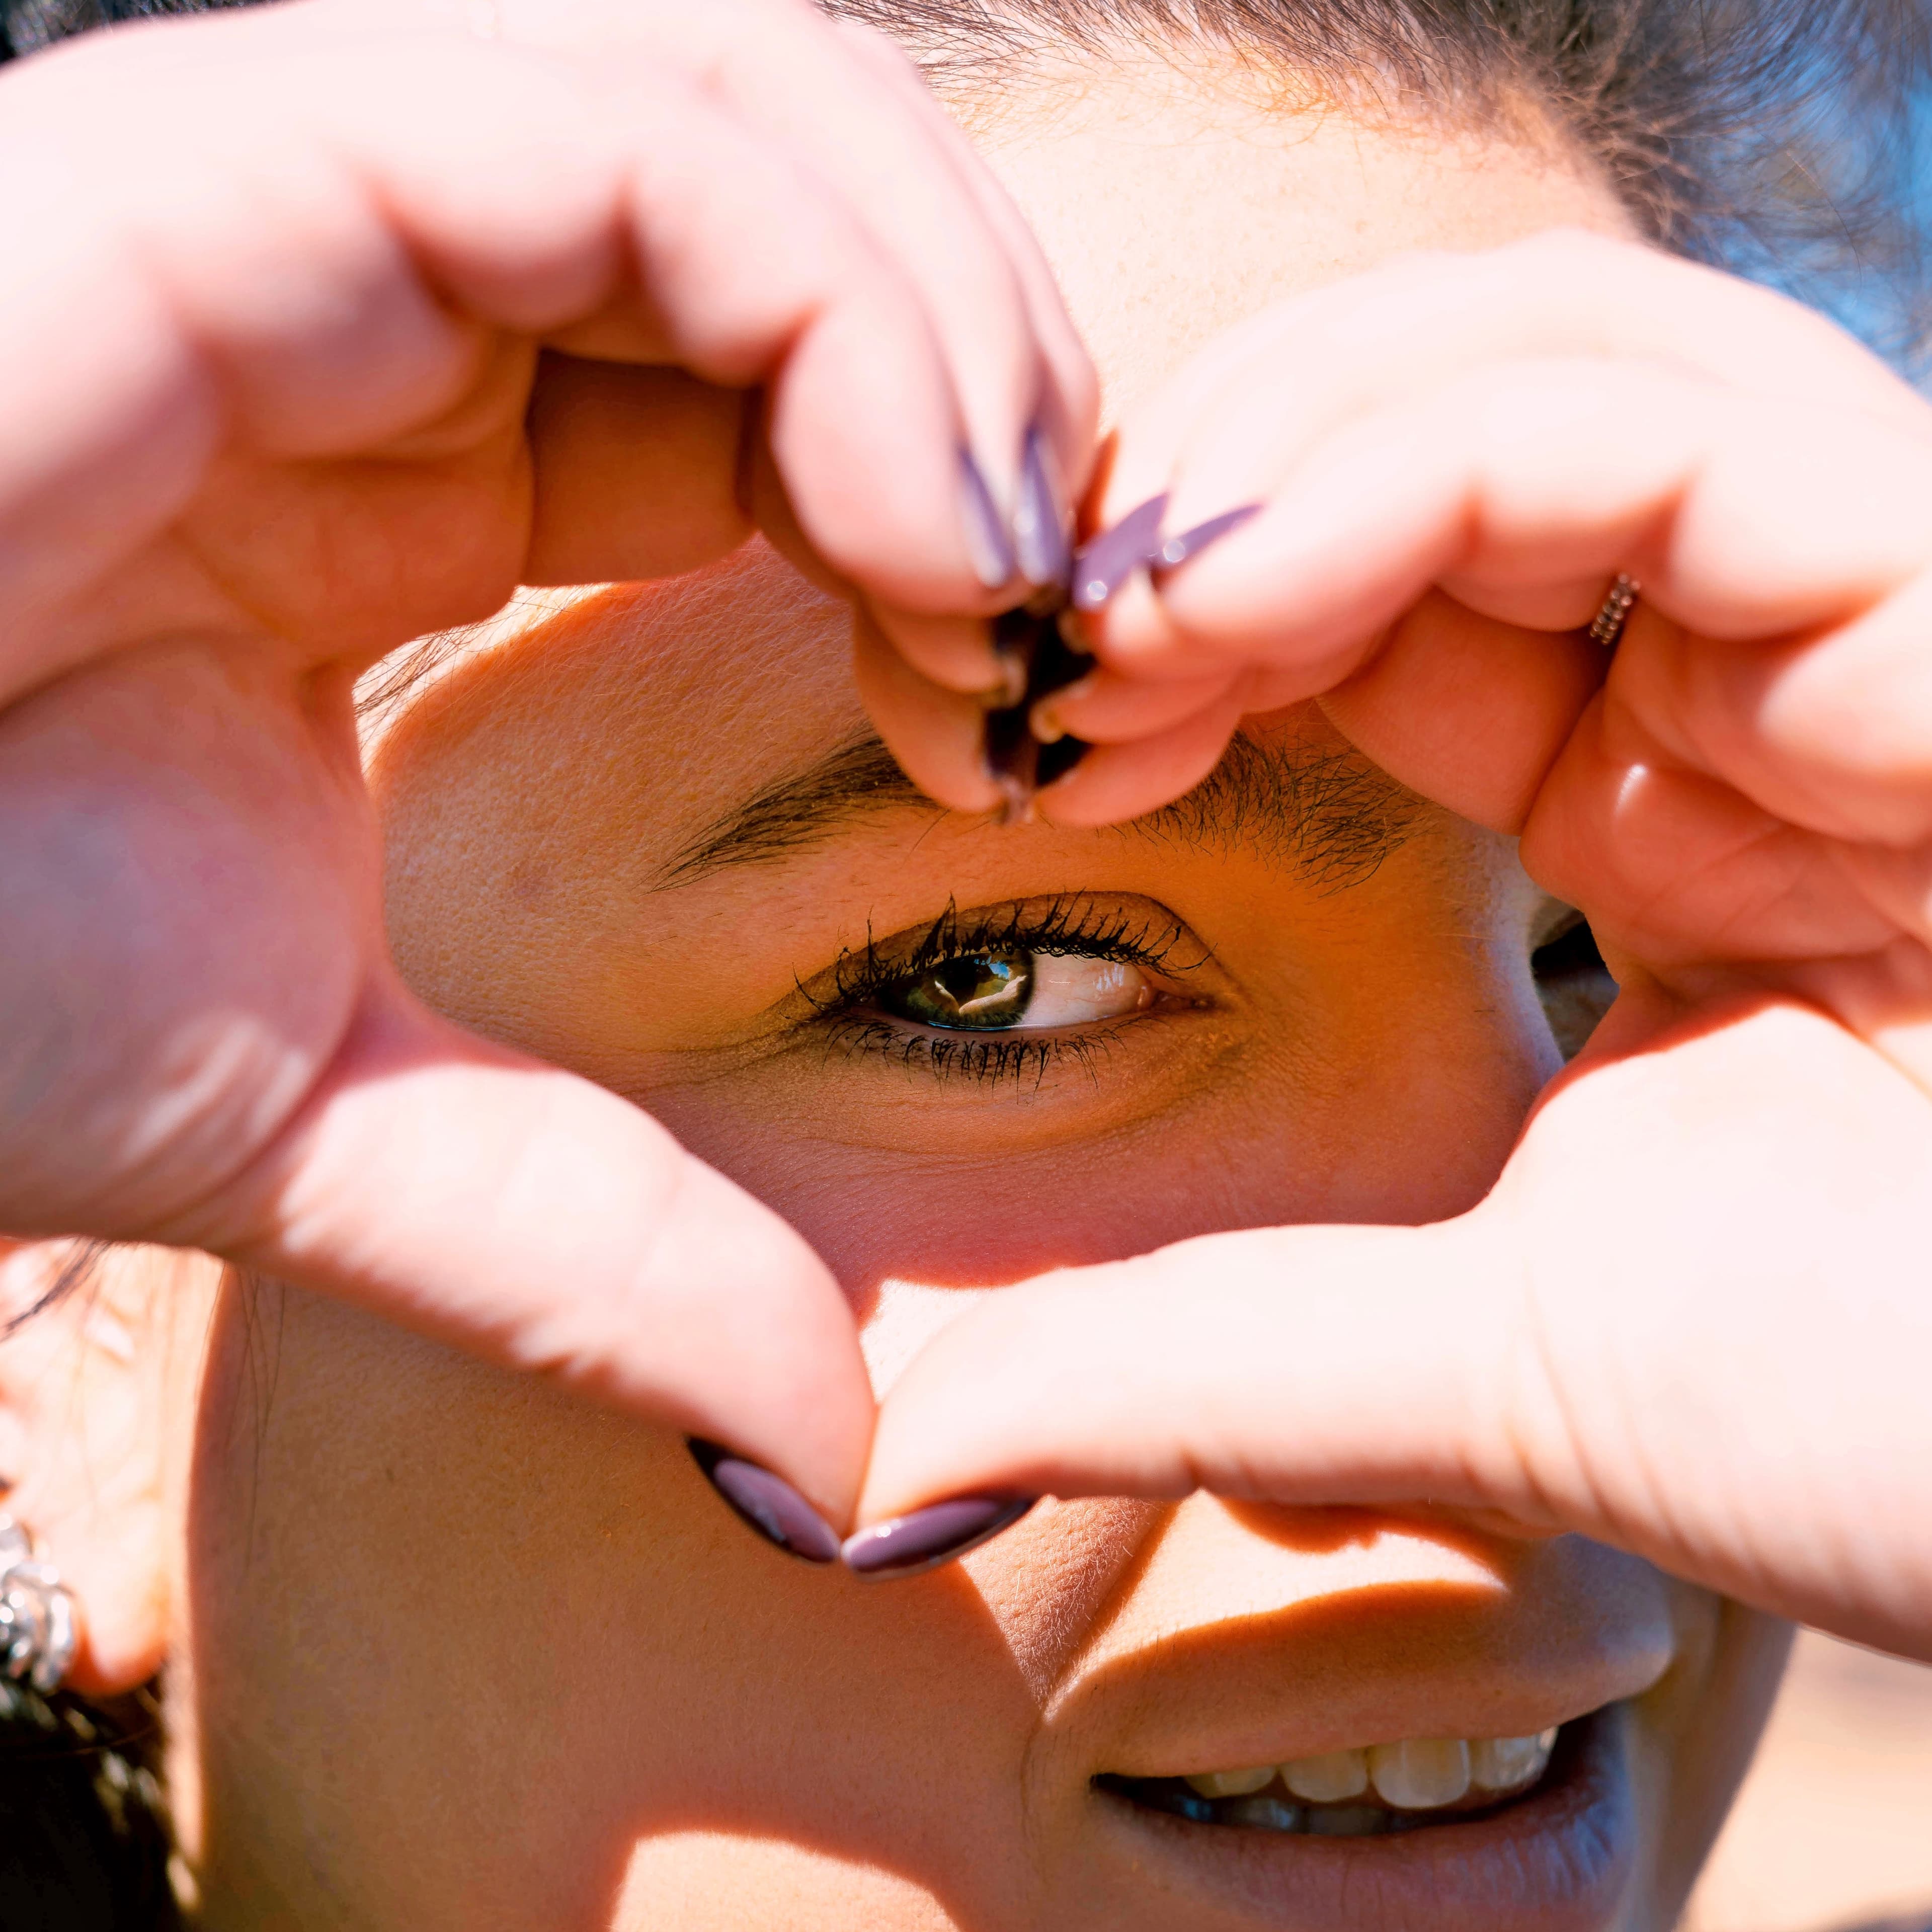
(1012, 1054)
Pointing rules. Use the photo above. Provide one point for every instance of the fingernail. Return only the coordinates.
(928, 1537)
(768, 1503)
(1039, 523)
(1106, 563)
(1043, 715)
(986, 542)
(1176, 550)
(1043, 721)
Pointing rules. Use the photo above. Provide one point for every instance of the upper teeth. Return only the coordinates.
(1416, 1774)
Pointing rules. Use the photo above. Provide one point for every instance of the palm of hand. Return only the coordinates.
(193, 857)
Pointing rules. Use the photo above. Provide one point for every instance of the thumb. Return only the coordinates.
(1302, 1365)
(1735, 1392)
(527, 1217)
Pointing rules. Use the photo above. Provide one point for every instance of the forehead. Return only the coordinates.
(613, 723)
(1173, 200)
(1175, 195)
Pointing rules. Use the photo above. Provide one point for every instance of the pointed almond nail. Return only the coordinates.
(908, 1545)
(1040, 521)
(1106, 563)
(1176, 550)
(768, 1503)
(986, 531)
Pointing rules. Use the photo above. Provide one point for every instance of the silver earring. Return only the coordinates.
(38, 1635)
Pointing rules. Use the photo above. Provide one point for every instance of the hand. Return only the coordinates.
(326, 326)
(1693, 1320)
(1695, 1316)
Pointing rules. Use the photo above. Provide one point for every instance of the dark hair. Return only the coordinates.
(1779, 138)
(83, 1837)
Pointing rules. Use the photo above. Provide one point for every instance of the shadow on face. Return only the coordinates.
(472, 1655)
(467, 1654)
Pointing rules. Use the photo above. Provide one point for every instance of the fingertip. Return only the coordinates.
(1113, 783)
(938, 736)
(927, 1539)
(542, 1223)
(864, 429)
(1105, 708)
(1135, 635)
(765, 1503)
(956, 653)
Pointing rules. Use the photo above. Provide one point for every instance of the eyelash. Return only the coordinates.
(1075, 926)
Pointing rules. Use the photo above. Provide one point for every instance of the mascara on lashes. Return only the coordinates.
(1074, 926)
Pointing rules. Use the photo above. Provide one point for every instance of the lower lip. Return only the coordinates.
(1559, 1860)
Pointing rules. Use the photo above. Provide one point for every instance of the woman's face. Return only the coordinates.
(463, 1653)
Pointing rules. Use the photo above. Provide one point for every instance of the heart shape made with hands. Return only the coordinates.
(1689, 1319)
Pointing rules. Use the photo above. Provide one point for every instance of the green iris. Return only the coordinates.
(980, 991)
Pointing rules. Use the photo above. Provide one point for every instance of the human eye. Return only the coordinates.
(1015, 989)
(1006, 990)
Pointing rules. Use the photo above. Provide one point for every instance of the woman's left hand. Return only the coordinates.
(1692, 1318)
(1453, 459)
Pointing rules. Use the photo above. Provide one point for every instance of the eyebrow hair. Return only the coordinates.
(1324, 810)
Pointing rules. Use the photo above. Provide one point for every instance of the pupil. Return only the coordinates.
(965, 979)
(981, 991)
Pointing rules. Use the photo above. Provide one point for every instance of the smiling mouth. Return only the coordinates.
(1372, 1791)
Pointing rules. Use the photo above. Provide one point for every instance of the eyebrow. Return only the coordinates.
(1326, 810)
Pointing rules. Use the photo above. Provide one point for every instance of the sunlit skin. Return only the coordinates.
(462, 1591)
(453, 1649)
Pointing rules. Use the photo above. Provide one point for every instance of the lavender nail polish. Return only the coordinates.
(923, 1540)
(1040, 524)
(1176, 550)
(986, 540)
(1106, 563)
(768, 1503)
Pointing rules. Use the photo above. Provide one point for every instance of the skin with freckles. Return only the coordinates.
(451, 1649)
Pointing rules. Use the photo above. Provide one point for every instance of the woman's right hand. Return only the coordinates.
(326, 327)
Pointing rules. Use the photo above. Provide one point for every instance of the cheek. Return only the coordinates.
(417, 1583)
(704, 1878)
(1407, 1124)
(1695, 1733)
